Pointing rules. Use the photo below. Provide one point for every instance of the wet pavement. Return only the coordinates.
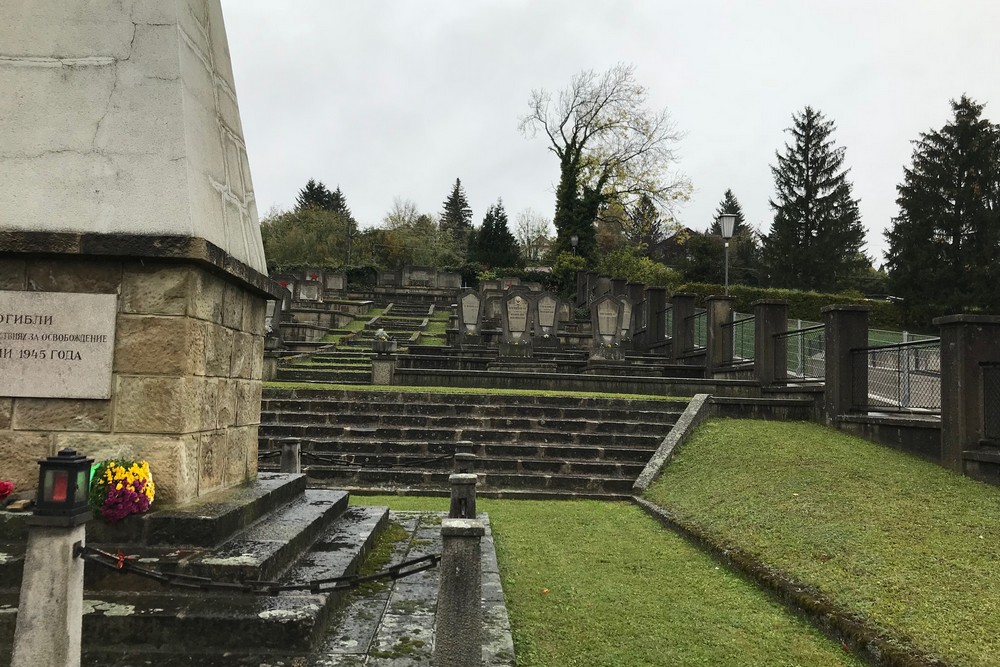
(392, 624)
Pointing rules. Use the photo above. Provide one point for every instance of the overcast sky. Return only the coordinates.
(397, 98)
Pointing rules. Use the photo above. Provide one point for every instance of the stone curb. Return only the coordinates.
(694, 414)
(856, 634)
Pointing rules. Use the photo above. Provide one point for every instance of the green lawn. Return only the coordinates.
(594, 584)
(907, 544)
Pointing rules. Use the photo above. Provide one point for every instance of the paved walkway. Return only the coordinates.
(392, 625)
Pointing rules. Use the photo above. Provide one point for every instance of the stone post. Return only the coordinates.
(463, 496)
(291, 457)
(618, 286)
(967, 341)
(656, 303)
(458, 631)
(383, 370)
(683, 329)
(50, 610)
(719, 346)
(591, 287)
(465, 462)
(845, 329)
(770, 355)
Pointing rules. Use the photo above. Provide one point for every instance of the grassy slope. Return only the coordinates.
(909, 545)
(602, 585)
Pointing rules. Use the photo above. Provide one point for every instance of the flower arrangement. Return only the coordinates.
(6, 488)
(120, 487)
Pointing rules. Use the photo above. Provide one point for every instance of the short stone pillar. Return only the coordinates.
(463, 496)
(967, 342)
(618, 286)
(383, 370)
(769, 355)
(846, 329)
(656, 303)
(683, 329)
(719, 345)
(458, 631)
(50, 610)
(465, 462)
(291, 457)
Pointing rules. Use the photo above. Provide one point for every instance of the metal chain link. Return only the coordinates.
(349, 462)
(123, 564)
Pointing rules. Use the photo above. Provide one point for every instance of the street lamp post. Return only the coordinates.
(573, 240)
(726, 222)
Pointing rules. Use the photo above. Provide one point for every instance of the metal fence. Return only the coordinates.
(667, 314)
(698, 324)
(805, 352)
(742, 330)
(991, 402)
(904, 377)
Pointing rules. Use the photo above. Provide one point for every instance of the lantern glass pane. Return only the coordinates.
(57, 483)
(82, 487)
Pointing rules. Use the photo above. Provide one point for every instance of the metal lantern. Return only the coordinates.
(63, 488)
(727, 221)
(573, 241)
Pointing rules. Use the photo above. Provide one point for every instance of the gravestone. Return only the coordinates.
(627, 326)
(470, 317)
(389, 278)
(517, 311)
(309, 291)
(129, 232)
(507, 283)
(489, 286)
(606, 318)
(546, 320)
(448, 280)
(419, 276)
(336, 282)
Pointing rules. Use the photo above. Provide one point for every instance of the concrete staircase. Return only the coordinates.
(349, 361)
(527, 445)
(272, 530)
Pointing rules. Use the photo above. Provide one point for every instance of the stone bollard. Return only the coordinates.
(291, 457)
(463, 496)
(465, 462)
(458, 631)
(383, 370)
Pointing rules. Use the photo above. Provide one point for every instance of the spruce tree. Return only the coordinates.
(457, 215)
(314, 195)
(495, 245)
(816, 237)
(729, 204)
(338, 204)
(944, 246)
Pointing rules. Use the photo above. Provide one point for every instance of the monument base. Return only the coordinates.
(185, 384)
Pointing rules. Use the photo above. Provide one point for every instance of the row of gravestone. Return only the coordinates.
(311, 285)
(529, 319)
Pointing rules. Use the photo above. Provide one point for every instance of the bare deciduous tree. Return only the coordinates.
(611, 148)
(533, 234)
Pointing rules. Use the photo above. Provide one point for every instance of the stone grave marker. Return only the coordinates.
(336, 282)
(470, 317)
(606, 316)
(547, 320)
(516, 317)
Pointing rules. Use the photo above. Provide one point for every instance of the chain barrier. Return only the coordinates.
(126, 564)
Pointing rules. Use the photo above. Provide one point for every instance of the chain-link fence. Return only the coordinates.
(904, 377)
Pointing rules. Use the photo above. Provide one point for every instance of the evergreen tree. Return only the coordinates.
(816, 238)
(729, 204)
(494, 244)
(314, 195)
(338, 204)
(944, 245)
(457, 215)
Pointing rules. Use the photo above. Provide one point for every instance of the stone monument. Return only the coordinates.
(606, 318)
(546, 320)
(470, 317)
(132, 275)
(516, 319)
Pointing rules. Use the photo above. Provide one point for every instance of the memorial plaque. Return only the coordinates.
(547, 312)
(309, 291)
(517, 316)
(57, 344)
(607, 318)
(470, 311)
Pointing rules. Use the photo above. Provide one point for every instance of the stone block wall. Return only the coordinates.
(186, 380)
